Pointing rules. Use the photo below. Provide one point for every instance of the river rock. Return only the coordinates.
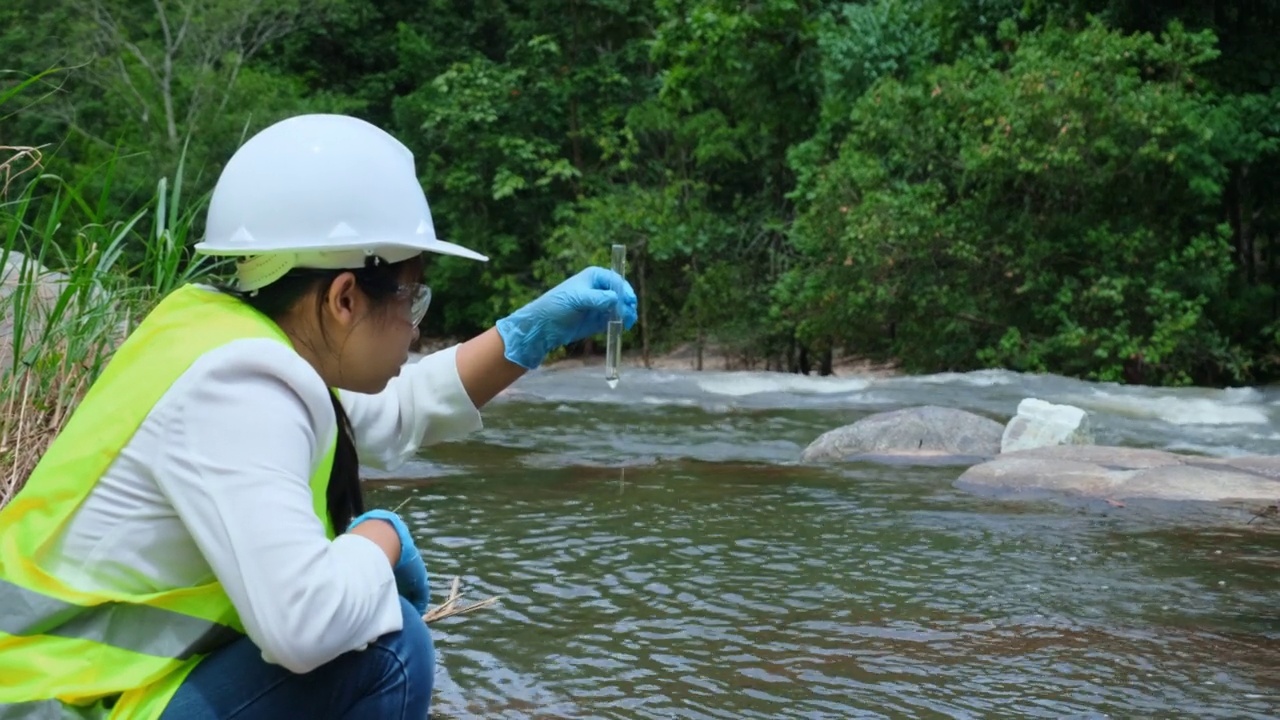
(1120, 473)
(1042, 424)
(927, 431)
(45, 288)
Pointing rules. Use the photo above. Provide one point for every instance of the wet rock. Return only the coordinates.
(1118, 473)
(1042, 424)
(928, 432)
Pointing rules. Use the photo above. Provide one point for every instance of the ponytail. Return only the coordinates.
(345, 497)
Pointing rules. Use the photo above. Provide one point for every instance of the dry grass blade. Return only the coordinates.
(21, 160)
(30, 419)
(452, 605)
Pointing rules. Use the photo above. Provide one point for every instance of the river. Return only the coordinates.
(661, 554)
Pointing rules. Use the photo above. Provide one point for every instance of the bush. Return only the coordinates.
(1050, 206)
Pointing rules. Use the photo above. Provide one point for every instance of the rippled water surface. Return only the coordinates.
(660, 554)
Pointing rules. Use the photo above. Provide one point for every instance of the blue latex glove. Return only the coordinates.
(581, 306)
(410, 571)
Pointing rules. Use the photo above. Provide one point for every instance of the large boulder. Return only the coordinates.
(1042, 424)
(1118, 473)
(927, 432)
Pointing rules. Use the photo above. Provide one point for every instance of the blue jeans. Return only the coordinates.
(390, 680)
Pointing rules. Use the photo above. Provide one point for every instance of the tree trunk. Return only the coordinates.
(644, 306)
(1237, 215)
(1272, 249)
(699, 337)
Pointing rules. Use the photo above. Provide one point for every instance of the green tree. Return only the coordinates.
(1049, 207)
(510, 122)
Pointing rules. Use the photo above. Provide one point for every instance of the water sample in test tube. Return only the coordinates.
(613, 344)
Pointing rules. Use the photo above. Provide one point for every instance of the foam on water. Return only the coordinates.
(977, 378)
(1228, 409)
(667, 401)
(756, 383)
(1194, 419)
(1220, 451)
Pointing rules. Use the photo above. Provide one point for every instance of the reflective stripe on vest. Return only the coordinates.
(51, 710)
(123, 625)
(58, 643)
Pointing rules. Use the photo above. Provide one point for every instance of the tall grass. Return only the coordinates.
(75, 276)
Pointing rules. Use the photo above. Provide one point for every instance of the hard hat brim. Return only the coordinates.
(440, 247)
(262, 267)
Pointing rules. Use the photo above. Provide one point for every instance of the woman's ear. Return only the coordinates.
(342, 300)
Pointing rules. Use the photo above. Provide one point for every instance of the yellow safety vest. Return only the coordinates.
(116, 655)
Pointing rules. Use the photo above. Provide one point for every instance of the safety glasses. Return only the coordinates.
(419, 296)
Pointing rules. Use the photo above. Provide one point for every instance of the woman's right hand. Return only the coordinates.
(409, 569)
(581, 306)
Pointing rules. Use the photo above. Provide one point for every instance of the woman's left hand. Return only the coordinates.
(581, 306)
(410, 571)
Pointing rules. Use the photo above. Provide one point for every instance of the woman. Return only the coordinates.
(194, 543)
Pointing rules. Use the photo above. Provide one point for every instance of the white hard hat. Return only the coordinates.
(319, 191)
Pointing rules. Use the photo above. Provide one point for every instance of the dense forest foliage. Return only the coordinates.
(1087, 187)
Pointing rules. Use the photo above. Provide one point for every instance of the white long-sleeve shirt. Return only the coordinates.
(215, 484)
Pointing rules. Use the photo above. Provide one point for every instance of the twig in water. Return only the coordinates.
(1266, 512)
(451, 606)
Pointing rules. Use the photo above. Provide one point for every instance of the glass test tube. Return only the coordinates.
(613, 344)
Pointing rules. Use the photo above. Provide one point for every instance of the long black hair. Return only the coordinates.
(380, 281)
